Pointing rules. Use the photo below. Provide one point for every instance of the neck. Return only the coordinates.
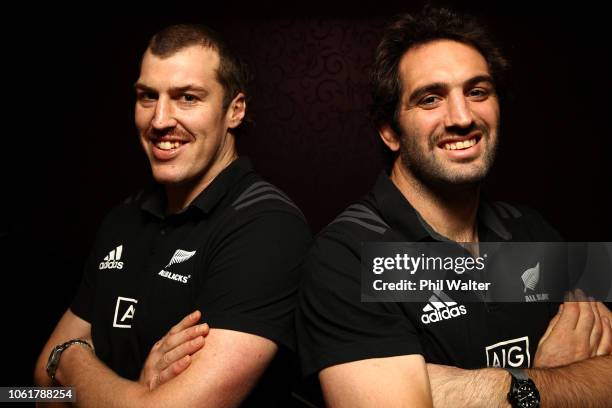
(181, 195)
(450, 212)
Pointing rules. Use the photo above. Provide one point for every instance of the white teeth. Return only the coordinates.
(460, 145)
(166, 145)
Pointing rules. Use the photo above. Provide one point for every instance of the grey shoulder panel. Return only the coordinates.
(363, 216)
(506, 210)
(134, 197)
(261, 191)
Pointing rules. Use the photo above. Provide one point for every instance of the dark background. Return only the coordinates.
(71, 151)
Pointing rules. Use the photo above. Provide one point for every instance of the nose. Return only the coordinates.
(459, 113)
(164, 114)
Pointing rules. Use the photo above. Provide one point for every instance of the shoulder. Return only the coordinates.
(360, 218)
(124, 213)
(359, 222)
(525, 223)
(335, 255)
(259, 196)
(260, 209)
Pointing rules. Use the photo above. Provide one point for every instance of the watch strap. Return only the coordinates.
(523, 391)
(56, 353)
(518, 373)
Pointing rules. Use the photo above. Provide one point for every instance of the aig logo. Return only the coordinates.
(509, 353)
(124, 312)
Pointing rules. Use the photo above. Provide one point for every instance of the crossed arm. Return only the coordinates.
(220, 374)
(378, 382)
(393, 381)
(572, 368)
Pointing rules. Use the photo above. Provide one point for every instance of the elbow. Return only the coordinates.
(41, 379)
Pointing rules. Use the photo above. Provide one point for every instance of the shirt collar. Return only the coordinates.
(155, 201)
(400, 214)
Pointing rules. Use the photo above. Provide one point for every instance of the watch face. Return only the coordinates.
(524, 394)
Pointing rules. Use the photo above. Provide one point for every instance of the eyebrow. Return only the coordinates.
(436, 86)
(173, 90)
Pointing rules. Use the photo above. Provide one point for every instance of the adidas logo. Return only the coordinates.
(113, 259)
(441, 307)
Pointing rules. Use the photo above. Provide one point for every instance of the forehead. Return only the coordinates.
(442, 61)
(191, 65)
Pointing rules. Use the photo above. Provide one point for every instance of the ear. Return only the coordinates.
(389, 137)
(236, 111)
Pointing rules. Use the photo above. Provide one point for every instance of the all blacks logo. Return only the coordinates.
(510, 353)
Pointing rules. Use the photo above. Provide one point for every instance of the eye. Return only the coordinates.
(146, 96)
(430, 101)
(478, 94)
(189, 98)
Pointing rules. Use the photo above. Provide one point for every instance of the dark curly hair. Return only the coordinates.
(409, 30)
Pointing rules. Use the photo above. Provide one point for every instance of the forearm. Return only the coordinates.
(586, 383)
(96, 385)
(220, 375)
(456, 387)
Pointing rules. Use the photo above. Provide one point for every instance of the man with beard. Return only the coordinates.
(210, 235)
(436, 85)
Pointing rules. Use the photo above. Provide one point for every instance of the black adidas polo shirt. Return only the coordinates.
(335, 327)
(233, 253)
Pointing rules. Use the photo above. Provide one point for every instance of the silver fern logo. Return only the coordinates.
(180, 256)
(531, 277)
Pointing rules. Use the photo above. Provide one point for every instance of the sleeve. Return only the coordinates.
(253, 276)
(333, 325)
(83, 302)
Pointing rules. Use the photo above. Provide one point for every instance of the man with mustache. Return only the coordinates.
(437, 81)
(210, 235)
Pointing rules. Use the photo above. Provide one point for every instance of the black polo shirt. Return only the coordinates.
(233, 253)
(334, 326)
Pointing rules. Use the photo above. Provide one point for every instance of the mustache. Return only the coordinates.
(177, 132)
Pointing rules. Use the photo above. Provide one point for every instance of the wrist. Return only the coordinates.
(498, 381)
(523, 392)
(70, 358)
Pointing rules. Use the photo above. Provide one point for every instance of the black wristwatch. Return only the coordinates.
(523, 391)
(56, 353)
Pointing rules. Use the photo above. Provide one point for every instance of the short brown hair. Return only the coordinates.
(233, 73)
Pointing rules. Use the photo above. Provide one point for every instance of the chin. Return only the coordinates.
(467, 180)
(167, 178)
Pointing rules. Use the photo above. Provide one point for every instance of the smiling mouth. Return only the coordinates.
(167, 145)
(461, 145)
